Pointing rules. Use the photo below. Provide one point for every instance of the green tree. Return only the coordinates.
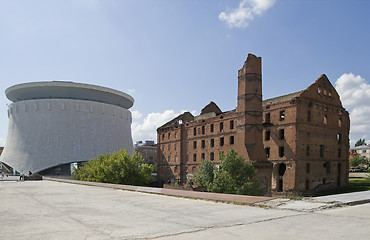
(354, 161)
(358, 160)
(205, 174)
(360, 142)
(118, 167)
(233, 176)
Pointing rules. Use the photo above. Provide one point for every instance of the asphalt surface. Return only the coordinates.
(56, 210)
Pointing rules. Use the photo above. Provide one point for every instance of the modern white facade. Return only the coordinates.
(57, 123)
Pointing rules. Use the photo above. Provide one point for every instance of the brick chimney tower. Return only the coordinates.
(249, 120)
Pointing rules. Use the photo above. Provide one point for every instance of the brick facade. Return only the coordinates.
(298, 142)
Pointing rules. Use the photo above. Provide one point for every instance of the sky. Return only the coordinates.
(173, 56)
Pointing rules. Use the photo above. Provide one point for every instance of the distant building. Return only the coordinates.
(299, 142)
(362, 151)
(148, 151)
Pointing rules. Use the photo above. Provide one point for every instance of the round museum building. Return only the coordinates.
(54, 124)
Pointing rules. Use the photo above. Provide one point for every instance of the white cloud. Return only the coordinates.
(247, 10)
(147, 128)
(354, 92)
(136, 114)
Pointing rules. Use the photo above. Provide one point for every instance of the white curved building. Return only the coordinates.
(53, 124)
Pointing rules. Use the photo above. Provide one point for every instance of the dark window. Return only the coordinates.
(231, 139)
(163, 136)
(203, 143)
(267, 118)
(221, 126)
(169, 135)
(212, 156)
(308, 150)
(267, 152)
(307, 184)
(169, 146)
(281, 134)
(212, 142)
(325, 119)
(195, 144)
(307, 168)
(327, 167)
(309, 116)
(194, 157)
(212, 127)
(339, 153)
(203, 156)
(232, 124)
(195, 131)
(175, 146)
(322, 151)
(221, 141)
(281, 151)
(267, 135)
(203, 129)
(282, 115)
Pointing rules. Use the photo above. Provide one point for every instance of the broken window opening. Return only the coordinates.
(267, 118)
(322, 151)
(339, 138)
(221, 141)
(267, 135)
(282, 115)
(281, 134)
(308, 150)
(267, 152)
(281, 151)
(231, 139)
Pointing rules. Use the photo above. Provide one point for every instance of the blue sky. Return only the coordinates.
(173, 56)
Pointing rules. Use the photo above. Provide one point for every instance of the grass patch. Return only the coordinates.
(354, 185)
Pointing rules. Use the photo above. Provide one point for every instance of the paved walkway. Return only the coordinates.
(176, 193)
(56, 210)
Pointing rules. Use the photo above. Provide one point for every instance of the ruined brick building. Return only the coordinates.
(298, 142)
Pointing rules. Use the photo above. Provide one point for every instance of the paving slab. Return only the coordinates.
(347, 198)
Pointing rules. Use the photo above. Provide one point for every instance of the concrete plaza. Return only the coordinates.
(55, 210)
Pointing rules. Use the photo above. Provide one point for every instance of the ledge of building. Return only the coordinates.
(219, 197)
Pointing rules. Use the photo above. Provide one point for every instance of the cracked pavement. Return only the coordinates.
(55, 210)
